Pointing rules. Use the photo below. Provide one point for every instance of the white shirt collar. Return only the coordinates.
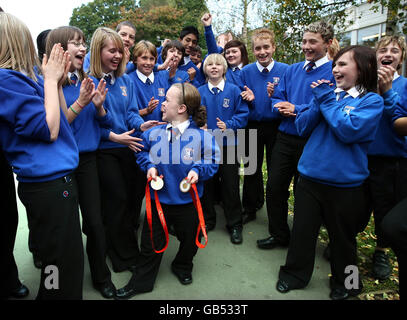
(396, 75)
(269, 67)
(318, 63)
(143, 77)
(353, 92)
(113, 80)
(240, 66)
(220, 86)
(180, 126)
(75, 73)
(186, 59)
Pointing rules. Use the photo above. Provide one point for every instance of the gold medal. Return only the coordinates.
(157, 184)
(184, 186)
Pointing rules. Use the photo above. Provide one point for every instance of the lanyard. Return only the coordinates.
(197, 203)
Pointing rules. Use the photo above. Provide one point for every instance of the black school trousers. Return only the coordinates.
(52, 208)
(284, 161)
(87, 178)
(185, 220)
(387, 186)
(394, 226)
(227, 178)
(341, 209)
(8, 230)
(253, 187)
(122, 186)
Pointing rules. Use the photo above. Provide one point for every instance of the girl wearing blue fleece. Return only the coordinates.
(332, 168)
(226, 112)
(388, 152)
(175, 151)
(116, 163)
(39, 145)
(86, 115)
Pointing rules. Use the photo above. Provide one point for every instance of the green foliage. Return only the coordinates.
(161, 21)
(98, 13)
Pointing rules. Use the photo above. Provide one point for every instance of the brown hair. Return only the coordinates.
(265, 34)
(192, 99)
(63, 35)
(144, 46)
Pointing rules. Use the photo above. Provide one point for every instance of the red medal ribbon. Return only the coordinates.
(160, 215)
(197, 203)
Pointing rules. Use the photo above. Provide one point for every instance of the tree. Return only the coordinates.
(396, 15)
(157, 22)
(99, 13)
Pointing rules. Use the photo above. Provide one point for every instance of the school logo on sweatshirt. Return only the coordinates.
(276, 80)
(124, 91)
(188, 154)
(348, 109)
(161, 92)
(226, 103)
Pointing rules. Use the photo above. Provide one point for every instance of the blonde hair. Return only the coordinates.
(63, 35)
(144, 46)
(325, 29)
(97, 44)
(216, 58)
(399, 40)
(17, 50)
(333, 49)
(264, 34)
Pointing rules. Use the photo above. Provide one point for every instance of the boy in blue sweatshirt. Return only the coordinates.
(341, 124)
(292, 94)
(174, 151)
(388, 152)
(226, 113)
(265, 120)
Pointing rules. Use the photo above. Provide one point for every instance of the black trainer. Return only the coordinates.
(381, 265)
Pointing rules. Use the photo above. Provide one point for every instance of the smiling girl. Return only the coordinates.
(86, 116)
(116, 161)
(333, 168)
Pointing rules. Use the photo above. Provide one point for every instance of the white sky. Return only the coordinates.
(40, 15)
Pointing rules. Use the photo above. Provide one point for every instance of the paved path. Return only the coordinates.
(222, 271)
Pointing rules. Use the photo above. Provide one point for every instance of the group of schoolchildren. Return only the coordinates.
(91, 130)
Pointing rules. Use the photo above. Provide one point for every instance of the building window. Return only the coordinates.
(370, 35)
(345, 39)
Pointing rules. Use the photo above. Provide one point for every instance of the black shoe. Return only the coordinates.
(107, 290)
(37, 261)
(184, 278)
(282, 286)
(236, 235)
(381, 265)
(270, 243)
(327, 253)
(20, 292)
(125, 293)
(248, 216)
(132, 268)
(343, 294)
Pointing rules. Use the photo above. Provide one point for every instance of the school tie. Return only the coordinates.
(341, 95)
(73, 78)
(174, 132)
(310, 66)
(215, 90)
(108, 78)
(236, 69)
(148, 81)
(265, 70)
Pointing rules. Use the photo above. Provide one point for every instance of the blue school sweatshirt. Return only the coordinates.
(260, 109)
(195, 150)
(24, 134)
(227, 105)
(86, 127)
(144, 92)
(295, 87)
(130, 67)
(121, 102)
(341, 131)
(387, 142)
